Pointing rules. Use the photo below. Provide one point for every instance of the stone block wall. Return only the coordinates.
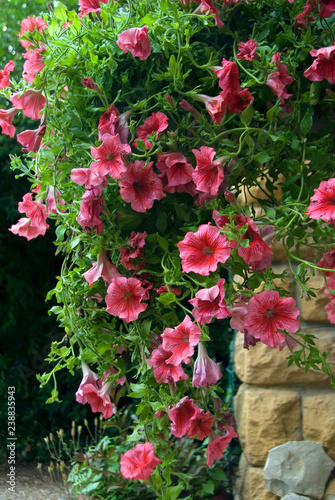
(276, 403)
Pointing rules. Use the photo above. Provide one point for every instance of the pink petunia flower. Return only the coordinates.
(139, 463)
(136, 41)
(85, 176)
(278, 80)
(98, 398)
(164, 371)
(109, 157)
(176, 167)
(154, 124)
(30, 102)
(208, 6)
(201, 425)
(323, 68)
(216, 106)
(190, 109)
(4, 74)
(133, 258)
(238, 101)
(33, 65)
(228, 77)
(257, 249)
(88, 6)
(140, 186)
(30, 24)
(327, 8)
(31, 139)
(53, 195)
(247, 50)
(111, 122)
(323, 201)
(181, 416)
(102, 268)
(34, 210)
(206, 372)
(90, 210)
(267, 313)
(202, 251)
(328, 262)
(217, 445)
(90, 84)
(208, 175)
(6, 119)
(238, 311)
(25, 228)
(164, 289)
(304, 19)
(181, 341)
(89, 377)
(209, 303)
(123, 299)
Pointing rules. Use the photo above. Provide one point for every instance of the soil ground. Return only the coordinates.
(31, 484)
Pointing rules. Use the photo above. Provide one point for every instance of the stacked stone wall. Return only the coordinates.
(276, 403)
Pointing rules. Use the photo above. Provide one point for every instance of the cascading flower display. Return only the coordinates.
(175, 177)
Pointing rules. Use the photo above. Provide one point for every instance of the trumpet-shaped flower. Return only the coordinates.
(267, 313)
(30, 102)
(109, 157)
(202, 251)
(123, 299)
(209, 303)
(181, 341)
(139, 463)
(323, 201)
(136, 41)
(206, 372)
(164, 371)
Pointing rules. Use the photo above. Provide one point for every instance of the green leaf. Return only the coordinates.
(262, 157)
(247, 115)
(271, 112)
(73, 243)
(60, 11)
(167, 298)
(139, 391)
(163, 242)
(306, 123)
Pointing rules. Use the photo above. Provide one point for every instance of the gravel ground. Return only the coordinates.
(31, 484)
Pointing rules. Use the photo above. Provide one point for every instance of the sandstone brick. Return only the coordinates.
(266, 418)
(319, 419)
(250, 195)
(250, 483)
(313, 310)
(261, 365)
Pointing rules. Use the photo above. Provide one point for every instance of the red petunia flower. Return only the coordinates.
(201, 425)
(123, 299)
(6, 119)
(177, 169)
(208, 175)
(181, 341)
(247, 50)
(30, 102)
(201, 251)
(217, 445)
(90, 84)
(109, 157)
(328, 262)
(164, 371)
(206, 372)
(139, 463)
(209, 303)
(4, 74)
(95, 391)
(140, 186)
(303, 19)
(327, 8)
(323, 201)
(208, 6)
(136, 41)
(102, 268)
(154, 124)
(267, 313)
(323, 68)
(181, 416)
